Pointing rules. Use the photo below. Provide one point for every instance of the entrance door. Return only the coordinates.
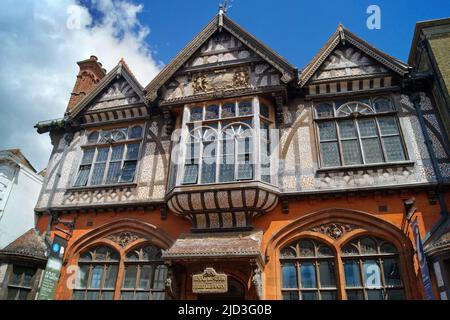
(236, 291)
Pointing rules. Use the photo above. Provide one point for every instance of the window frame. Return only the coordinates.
(220, 123)
(110, 145)
(336, 120)
(21, 287)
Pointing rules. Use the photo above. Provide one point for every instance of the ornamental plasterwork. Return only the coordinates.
(119, 93)
(124, 238)
(334, 230)
(221, 80)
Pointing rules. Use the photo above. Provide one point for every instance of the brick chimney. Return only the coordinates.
(91, 72)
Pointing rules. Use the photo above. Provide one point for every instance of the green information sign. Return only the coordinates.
(53, 269)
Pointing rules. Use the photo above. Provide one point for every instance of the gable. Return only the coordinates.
(118, 93)
(118, 96)
(348, 61)
(222, 57)
(346, 55)
(222, 64)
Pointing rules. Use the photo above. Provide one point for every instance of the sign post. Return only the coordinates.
(53, 269)
(422, 261)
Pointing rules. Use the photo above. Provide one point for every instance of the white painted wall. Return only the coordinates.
(19, 194)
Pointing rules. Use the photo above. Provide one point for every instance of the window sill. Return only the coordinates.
(103, 186)
(366, 166)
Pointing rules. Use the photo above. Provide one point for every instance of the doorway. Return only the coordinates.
(236, 291)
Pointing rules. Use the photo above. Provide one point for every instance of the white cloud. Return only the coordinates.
(40, 42)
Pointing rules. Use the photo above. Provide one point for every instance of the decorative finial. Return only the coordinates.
(341, 33)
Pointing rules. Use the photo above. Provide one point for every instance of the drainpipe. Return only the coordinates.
(415, 98)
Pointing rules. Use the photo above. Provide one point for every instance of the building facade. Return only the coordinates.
(20, 185)
(234, 175)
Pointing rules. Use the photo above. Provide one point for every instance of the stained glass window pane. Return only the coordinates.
(328, 295)
(394, 148)
(324, 111)
(111, 277)
(228, 110)
(391, 273)
(375, 295)
(327, 274)
(330, 154)
(196, 114)
(372, 150)
(117, 153)
(129, 280)
(368, 246)
(347, 129)
(308, 275)
(190, 173)
(306, 248)
(367, 128)
(351, 152)
(228, 146)
(93, 295)
(208, 170)
(82, 277)
(192, 150)
(292, 295)
(245, 168)
(136, 132)
(388, 125)
(83, 176)
(93, 137)
(141, 296)
(113, 172)
(128, 171)
(108, 295)
(88, 156)
(226, 172)
(355, 295)
(289, 275)
(212, 112)
(78, 295)
(102, 154)
(264, 110)
(397, 294)
(125, 295)
(146, 276)
(97, 174)
(132, 151)
(160, 277)
(245, 108)
(383, 105)
(158, 295)
(372, 274)
(309, 295)
(352, 275)
(327, 131)
(96, 277)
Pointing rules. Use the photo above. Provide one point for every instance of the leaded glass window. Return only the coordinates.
(220, 144)
(97, 275)
(113, 159)
(20, 282)
(308, 271)
(372, 270)
(359, 132)
(145, 275)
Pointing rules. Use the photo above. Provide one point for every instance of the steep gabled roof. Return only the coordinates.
(220, 22)
(342, 35)
(29, 244)
(121, 69)
(18, 156)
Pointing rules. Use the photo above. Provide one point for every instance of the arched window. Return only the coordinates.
(145, 275)
(308, 271)
(362, 132)
(96, 279)
(372, 270)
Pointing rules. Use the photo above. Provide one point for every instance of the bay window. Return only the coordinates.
(220, 145)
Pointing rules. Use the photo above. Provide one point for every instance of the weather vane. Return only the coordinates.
(223, 7)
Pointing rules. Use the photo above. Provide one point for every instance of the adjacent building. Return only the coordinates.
(233, 174)
(430, 58)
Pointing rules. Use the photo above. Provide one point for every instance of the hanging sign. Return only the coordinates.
(53, 269)
(422, 261)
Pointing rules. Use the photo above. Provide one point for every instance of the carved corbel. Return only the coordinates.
(168, 120)
(279, 108)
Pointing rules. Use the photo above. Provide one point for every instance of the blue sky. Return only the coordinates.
(41, 41)
(296, 29)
